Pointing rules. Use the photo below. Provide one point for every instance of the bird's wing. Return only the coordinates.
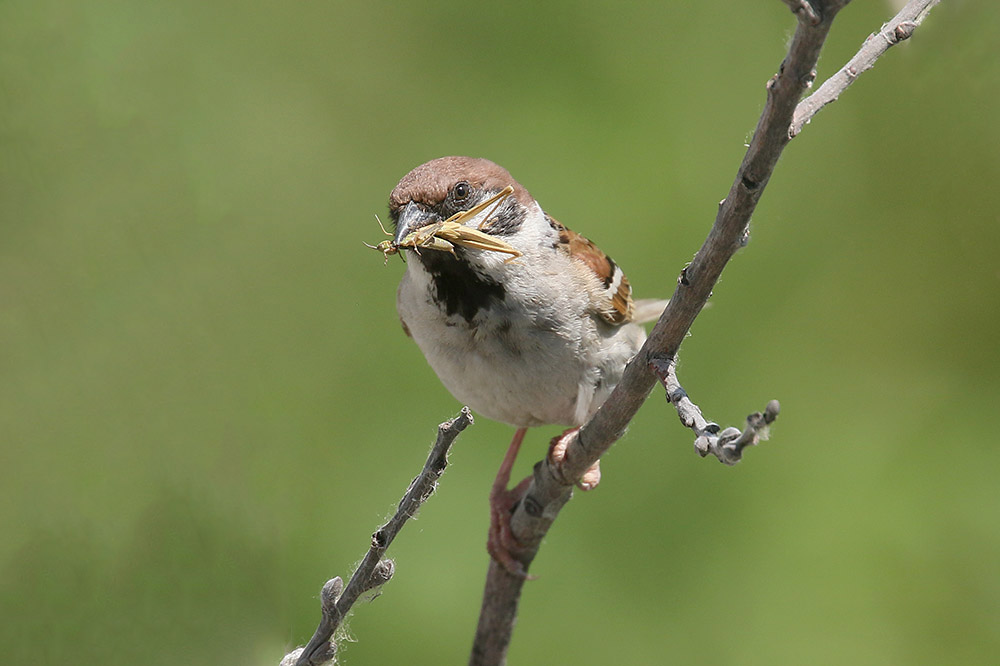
(612, 298)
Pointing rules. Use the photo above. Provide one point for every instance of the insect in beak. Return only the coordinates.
(445, 235)
(386, 247)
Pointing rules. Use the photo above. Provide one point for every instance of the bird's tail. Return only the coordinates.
(648, 309)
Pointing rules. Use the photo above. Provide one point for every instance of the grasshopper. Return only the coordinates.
(421, 238)
(445, 235)
(386, 247)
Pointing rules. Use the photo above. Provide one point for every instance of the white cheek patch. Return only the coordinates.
(535, 228)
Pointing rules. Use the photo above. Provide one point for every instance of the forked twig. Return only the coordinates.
(336, 600)
(898, 29)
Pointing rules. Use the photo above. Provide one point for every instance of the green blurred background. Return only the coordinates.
(207, 405)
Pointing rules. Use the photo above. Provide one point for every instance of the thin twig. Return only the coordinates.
(900, 28)
(549, 491)
(726, 445)
(336, 600)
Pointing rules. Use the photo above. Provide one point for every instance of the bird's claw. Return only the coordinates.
(501, 543)
(557, 457)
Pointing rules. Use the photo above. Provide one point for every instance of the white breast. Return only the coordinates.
(538, 357)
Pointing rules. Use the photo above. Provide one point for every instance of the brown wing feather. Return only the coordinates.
(614, 296)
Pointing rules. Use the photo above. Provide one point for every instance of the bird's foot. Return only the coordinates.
(501, 543)
(557, 458)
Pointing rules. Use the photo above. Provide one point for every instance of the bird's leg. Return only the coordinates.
(557, 455)
(501, 544)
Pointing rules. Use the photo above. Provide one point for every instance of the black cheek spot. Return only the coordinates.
(507, 220)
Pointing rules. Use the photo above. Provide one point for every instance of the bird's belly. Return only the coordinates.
(517, 375)
(526, 361)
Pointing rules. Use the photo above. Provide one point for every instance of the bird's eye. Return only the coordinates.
(462, 191)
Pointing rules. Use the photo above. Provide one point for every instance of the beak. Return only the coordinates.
(412, 218)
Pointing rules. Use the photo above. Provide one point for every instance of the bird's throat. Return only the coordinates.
(457, 288)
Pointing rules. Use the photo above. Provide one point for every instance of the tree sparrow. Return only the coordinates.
(523, 320)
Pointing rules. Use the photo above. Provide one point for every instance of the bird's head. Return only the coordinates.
(463, 201)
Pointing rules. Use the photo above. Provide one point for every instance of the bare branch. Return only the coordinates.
(900, 28)
(550, 489)
(336, 600)
(726, 445)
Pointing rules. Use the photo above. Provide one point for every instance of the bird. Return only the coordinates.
(522, 319)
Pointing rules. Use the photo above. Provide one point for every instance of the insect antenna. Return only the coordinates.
(380, 226)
